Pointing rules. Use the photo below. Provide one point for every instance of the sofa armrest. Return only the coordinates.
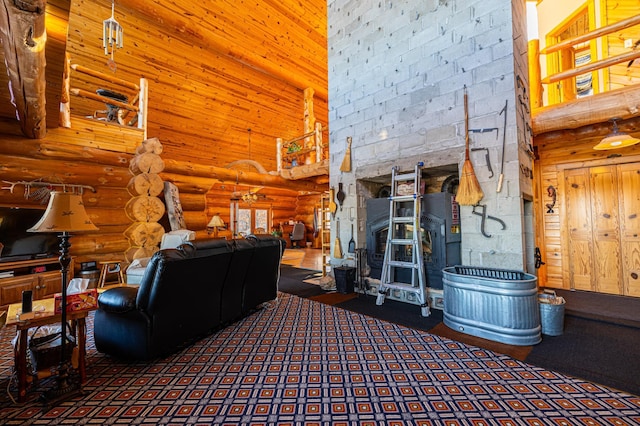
(118, 300)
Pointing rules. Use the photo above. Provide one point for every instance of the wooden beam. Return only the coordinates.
(224, 175)
(623, 103)
(105, 77)
(621, 25)
(104, 99)
(592, 66)
(22, 26)
(306, 171)
(57, 22)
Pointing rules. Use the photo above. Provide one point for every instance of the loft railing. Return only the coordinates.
(301, 150)
(116, 100)
(566, 78)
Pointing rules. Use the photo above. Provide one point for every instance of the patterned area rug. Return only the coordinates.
(302, 362)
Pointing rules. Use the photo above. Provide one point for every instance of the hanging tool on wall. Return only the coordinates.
(486, 150)
(346, 161)
(551, 192)
(332, 205)
(538, 257)
(352, 242)
(337, 245)
(504, 141)
(340, 196)
(486, 130)
(469, 190)
(485, 216)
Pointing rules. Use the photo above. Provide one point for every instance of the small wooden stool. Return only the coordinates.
(110, 267)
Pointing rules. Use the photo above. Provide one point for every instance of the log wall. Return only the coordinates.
(107, 172)
(79, 162)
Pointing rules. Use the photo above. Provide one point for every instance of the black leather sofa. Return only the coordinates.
(187, 293)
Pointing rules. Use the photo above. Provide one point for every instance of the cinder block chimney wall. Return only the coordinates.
(397, 72)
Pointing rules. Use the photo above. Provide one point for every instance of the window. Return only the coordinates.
(251, 219)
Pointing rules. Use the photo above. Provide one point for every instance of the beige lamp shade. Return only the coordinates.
(616, 139)
(216, 221)
(65, 213)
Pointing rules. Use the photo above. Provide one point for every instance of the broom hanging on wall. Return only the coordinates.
(337, 245)
(346, 161)
(469, 190)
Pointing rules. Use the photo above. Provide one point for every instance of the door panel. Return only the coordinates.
(581, 270)
(578, 204)
(629, 190)
(604, 214)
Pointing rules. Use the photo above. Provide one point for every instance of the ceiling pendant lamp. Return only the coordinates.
(616, 139)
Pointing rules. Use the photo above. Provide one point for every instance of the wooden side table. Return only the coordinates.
(43, 314)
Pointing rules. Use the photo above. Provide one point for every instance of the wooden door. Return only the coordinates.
(603, 228)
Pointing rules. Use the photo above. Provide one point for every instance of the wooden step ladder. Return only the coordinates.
(404, 239)
(325, 234)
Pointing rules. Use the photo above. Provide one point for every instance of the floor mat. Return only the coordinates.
(517, 352)
(333, 298)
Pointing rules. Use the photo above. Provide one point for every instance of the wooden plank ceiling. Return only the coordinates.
(216, 68)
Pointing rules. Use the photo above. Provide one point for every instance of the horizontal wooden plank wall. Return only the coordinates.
(558, 150)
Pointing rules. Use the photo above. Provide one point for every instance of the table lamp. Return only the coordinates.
(213, 225)
(65, 214)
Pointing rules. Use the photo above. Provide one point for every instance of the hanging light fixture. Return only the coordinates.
(616, 139)
(249, 197)
(112, 36)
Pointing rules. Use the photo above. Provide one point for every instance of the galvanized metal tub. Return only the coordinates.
(494, 304)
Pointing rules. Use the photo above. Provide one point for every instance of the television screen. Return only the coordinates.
(19, 244)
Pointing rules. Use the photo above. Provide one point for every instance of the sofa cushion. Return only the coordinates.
(118, 300)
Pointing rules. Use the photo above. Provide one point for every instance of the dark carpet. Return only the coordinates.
(291, 281)
(600, 342)
(593, 350)
(393, 311)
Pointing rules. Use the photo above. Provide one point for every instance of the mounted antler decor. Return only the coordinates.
(43, 191)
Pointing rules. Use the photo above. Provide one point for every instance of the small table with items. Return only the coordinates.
(43, 314)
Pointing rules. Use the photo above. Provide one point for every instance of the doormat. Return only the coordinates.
(333, 298)
(314, 280)
(517, 352)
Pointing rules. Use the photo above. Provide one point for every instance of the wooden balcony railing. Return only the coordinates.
(117, 101)
(566, 77)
